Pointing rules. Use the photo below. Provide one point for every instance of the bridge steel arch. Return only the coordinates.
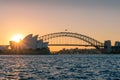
(89, 40)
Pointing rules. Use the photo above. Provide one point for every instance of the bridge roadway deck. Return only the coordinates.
(73, 45)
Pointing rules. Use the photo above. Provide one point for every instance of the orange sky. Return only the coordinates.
(97, 19)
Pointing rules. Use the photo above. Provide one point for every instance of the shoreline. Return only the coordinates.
(44, 51)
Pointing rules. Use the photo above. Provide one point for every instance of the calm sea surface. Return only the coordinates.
(60, 67)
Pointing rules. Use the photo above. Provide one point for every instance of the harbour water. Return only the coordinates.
(60, 67)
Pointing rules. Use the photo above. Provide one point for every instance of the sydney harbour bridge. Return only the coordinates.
(71, 39)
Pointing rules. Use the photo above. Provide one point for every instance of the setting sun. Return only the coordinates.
(17, 37)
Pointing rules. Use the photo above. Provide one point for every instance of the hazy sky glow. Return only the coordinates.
(99, 19)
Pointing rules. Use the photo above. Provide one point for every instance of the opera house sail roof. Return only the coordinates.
(29, 42)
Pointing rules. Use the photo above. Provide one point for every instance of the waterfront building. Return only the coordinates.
(45, 44)
(29, 42)
(117, 44)
(40, 44)
(116, 47)
(107, 46)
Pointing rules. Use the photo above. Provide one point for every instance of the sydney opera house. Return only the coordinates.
(29, 45)
(29, 42)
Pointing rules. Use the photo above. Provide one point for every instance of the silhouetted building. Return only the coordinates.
(29, 42)
(107, 46)
(117, 43)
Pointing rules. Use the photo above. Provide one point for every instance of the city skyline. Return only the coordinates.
(96, 18)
